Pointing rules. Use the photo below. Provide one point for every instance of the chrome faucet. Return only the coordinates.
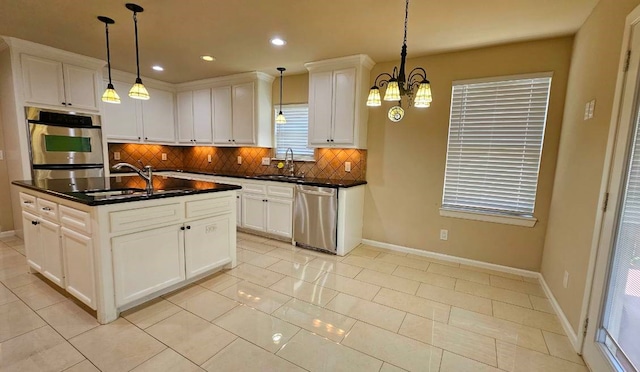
(146, 174)
(289, 164)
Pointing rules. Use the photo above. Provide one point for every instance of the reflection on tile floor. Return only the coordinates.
(287, 309)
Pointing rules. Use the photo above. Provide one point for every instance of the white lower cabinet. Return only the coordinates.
(42, 246)
(253, 212)
(32, 246)
(280, 217)
(146, 262)
(206, 244)
(77, 251)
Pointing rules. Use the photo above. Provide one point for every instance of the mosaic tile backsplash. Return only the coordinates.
(329, 162)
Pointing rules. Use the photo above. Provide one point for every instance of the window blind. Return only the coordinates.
(295, 133)
(496, 133)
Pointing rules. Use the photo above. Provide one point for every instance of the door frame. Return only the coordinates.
(611, 187)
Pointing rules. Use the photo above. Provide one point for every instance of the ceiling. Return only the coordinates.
(175, 33)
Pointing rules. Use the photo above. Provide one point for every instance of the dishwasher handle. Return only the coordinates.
(316, 192)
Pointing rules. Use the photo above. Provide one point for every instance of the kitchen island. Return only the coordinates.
(112, 245)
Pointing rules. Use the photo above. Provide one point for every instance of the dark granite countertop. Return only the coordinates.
(77, 190)
(322, 182)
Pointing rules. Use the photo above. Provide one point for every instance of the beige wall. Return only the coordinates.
(295, 89)
(594, 68)
(6, 218)
(406, 161)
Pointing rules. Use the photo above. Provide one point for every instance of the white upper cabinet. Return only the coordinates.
(240, 108)
(158, 119)
(337, 101)
(194, 117)
(52, 83)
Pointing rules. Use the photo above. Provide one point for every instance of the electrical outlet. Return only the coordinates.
(592, 107)
(266, 161)
(444, 234)
(164, 156)
(586, 111)
(1, 155)
(565, 280)
(116, 155)
(239, 159)
(347, 166)
(209, 158)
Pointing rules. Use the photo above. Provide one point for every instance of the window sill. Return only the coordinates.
(488, 217)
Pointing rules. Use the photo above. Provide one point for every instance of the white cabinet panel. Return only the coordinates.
(158, 116)
(43, 81)
(239, 210)
(207, 243)
(344, 93)
(320, 107)
(280, 217)
(32, 246)
(79, 270)
(52, 267)
(184, 106)
(122, 122)
(80, 87)
(222, 120)
(243, 113)
(253, 212)
(202, 120)
(147, 262)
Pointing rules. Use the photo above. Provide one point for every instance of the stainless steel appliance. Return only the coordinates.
(315, 218)
(64, 145)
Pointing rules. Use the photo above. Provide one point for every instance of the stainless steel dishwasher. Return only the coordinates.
(315, 218)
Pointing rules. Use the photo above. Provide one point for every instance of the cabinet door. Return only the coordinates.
(77, 252)
(52, 266)
(32, 246)
(146, 262)
(202, 121)
(280, 217)
(221, 105)
(43, 81)
(80, 88)
(158, 116)
(206, 244)
(243, 114)
(123, 121)
(253, 212)
(184, 106)
(320, 107)
(344, 104)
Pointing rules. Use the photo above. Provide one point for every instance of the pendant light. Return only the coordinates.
(138, 91)
(110, 94)
(280, 119)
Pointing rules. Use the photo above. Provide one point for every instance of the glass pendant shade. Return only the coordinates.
(393, 91)
(110, 95)
(423, 96)
(374, 97)
(280, 119)
(138, 91)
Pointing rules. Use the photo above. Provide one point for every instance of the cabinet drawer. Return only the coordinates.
(280, 191)
(28, 201)
(136, 219)
(254, 188)
(210, 206)
(75, 220)
(48, 209)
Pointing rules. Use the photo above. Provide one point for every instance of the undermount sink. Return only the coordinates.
(278, 177)
(109, 193)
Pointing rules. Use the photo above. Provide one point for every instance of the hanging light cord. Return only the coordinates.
(281, 92)
(406, 18)
(106, 27)
(135, 25)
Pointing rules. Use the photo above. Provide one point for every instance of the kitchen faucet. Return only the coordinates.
(289, 164)
(146, 174)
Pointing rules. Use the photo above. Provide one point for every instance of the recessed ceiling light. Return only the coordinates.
(208, 58)
(158, 68)
(277, 41)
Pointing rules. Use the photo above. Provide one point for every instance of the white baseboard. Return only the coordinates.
(446, 257)
(6, 234)
(568, 329)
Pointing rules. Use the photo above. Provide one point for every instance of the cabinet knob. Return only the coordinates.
(27, 202)
(63, 103)
(229, 140)
(34, 223)
(68, 104)
(139, 138)
(182, 228)
(327, 140)
(188, 227)
(46, 209)
(146, 138)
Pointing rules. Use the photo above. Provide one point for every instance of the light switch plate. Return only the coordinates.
(164, 156)
(239, 159)
(592, 107)
(347, 166)
(266, 161)
(1, 155)
(116, 155)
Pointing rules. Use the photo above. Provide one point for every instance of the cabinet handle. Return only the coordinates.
(63, 103)
(188, 227)
(68, 104)
(182, 228)
(27, 202)
(46, 209)
(34, 223)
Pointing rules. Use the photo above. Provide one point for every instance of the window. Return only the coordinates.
(295, 133)
(496, 132)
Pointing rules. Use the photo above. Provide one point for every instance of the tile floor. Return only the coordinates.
(286, 309)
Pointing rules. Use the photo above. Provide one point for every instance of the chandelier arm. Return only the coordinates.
(382, 81)
(416, 76)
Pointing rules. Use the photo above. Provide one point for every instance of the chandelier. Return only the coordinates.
(399, 85)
